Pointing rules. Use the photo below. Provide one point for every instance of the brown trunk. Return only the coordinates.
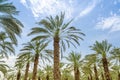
(66, 78)
(76, 73)
(47, 77)
(91, 78)
(35, 66)
(106, 70)
(39, 78)
(88, 78)
(96, 73)
(118, 75)
(18, 75)
(102, 76)
(26, 71)
(56, 59)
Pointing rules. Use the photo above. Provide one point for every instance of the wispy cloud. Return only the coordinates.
(42, 8)
(88, 9)
(112, 23)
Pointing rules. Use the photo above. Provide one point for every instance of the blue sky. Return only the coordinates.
(98, 19)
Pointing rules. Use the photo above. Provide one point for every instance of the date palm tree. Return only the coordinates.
(19, 66)
(26, 57)
(8, 23)
(75, 63)
(92, 60)
(115, 54)
(62, 34)
(3, 67)
(38, 49)
(103, 48)
(5, 45)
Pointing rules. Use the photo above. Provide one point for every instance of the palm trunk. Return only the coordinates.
(39, 78)
(106, 70)
(91, 78)
(96, 73)
(56, 70)
(102, 76)
(76, 73)
(35, 66)
(18, 75)
(88, 78)
(118, 75)
(47, 77)
(66, 78)
(26, 71)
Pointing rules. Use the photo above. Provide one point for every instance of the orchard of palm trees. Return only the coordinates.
(41, 58)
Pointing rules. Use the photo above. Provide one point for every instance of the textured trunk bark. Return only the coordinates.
(96, 73)
(106, 70)
(47, 77)
(39, 78)
(35, 66)
(66, 78)
(91, 78)
(88, 78)
(118, 75)
(26, 71)
(76, 73)
(18, 75)
(56, 70)
(102, 76)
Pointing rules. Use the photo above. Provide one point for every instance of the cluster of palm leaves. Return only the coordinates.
(37, 62)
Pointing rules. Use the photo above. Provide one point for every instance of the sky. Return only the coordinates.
(98, 19)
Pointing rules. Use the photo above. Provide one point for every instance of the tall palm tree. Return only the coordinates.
(37, 48)
(48, 72)
(19, 66)
(92, 60)
(62, 34)
(8, 23)
(5, 45)
(25, 57)
(3, 66)
(115, 54)
(103, 48)
(75, 63)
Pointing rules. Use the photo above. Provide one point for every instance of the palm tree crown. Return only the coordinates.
(8, 23)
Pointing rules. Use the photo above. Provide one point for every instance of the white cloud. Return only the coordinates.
(48, 7)
(88, 9)
(43, 8)
(23, 2)
(112, 23)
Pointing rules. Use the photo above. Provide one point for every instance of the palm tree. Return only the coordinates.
(115, 54)
(8, 23)
(61, 33)
(66, 74)
(37, 48)
(3, 66)
(103, 48)
(48, 72)
(25, 57)
(19, 66)
(91, 60)
(5, 46)
(75, 62)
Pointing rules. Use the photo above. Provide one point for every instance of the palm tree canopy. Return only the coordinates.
(74, 59)
(8, 23)
(115, 54)
(55, 27)
(101, 47)
(5, 46)
(7, 7)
